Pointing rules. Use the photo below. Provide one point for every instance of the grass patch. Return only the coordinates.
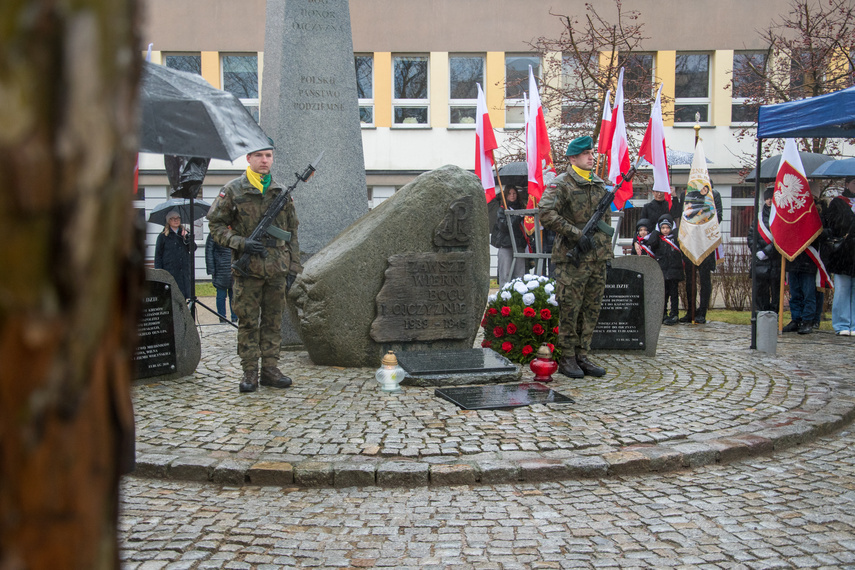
(205, 290)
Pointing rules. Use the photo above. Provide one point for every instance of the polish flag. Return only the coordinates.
(485, 144)
(537, 149)
(619, 153)
(794, 220)
(604, 143)
(653, 149)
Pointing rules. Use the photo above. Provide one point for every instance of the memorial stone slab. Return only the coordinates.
(309, 104)
(502, 396)
(169, 345)
(631, 314)
(457, 367)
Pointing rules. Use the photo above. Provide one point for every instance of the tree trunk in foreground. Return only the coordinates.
(70, 270)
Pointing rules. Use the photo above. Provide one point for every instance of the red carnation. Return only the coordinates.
(507, 347)
(492, 310)
(512, 328)
(498, 332)
(486, 344)
(545, 314)
(527, 349)
(537, 329)
(529, 312)
(484, 322)
(506, 311)
(551, 346)
(555, 329)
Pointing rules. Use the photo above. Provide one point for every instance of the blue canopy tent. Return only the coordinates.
(831, 115)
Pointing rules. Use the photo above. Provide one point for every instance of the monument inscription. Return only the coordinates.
(425, 296)
(155, 354)
(621, 321)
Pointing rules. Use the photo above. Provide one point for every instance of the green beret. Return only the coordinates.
(577, 146)
(268, 146)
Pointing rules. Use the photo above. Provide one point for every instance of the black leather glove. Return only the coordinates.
(584, 245)
(289, 281)
(254, 247)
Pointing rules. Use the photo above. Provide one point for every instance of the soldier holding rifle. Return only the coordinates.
(568, 203)
(261, 283)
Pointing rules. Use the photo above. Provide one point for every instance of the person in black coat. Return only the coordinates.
(670, 260)
(767, 267)
(218, 263)
(508, 267)
(839, 257)
(643, 242)
(172, 252)
(658, 207)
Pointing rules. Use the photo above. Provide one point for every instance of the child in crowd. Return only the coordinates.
(642, 244)
(670, 259)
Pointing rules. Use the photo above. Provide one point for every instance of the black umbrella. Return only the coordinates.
(769, 167)
(182, 114)
(842, 168)
(514, 174)
(158, 213)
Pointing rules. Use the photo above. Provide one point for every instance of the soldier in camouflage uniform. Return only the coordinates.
(259, 298)
(568, 203)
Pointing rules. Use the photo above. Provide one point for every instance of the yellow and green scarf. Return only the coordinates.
(260, 181)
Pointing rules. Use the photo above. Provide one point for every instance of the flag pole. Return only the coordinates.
(780, 290)
(501, 189)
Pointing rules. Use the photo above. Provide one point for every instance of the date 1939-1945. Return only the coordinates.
(412, 324)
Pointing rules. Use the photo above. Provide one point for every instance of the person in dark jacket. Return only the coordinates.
(801, 277)
(172, 252)
(218, 264)
(767, 267)
(839, 257)
(670, 260)
(508, 267)
(643, 242)
(657, 207)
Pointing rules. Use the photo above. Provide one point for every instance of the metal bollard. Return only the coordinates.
(767, 331)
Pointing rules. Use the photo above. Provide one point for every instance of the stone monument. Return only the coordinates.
(308, 105)
(412, 275)
(168, 346)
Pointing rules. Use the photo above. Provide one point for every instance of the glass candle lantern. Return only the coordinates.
(389, 375)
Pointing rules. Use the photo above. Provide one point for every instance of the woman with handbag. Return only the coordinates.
(839, 257)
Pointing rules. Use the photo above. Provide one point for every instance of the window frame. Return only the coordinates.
(693, 101)
(365, 102)
(735, 99)
(642, 115)
(513, 102)
(196, 54)
(403, 103)
(464, 103)
(253, 104)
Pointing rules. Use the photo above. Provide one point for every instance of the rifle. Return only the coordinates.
(265, 226)
(602, 206)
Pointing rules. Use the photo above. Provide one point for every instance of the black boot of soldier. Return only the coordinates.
(568, 367)
(249, 382)
(273, 378)
(588, 367)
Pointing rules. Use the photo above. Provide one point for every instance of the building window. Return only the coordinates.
(637, 86)
(184, 62)
(516, 86)
(365, 88)
(692, 88)
(464, 72)
(410, 102)
(579, 105)
(746, 82)
(240, 78)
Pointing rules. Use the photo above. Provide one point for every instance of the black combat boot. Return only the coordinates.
(273, 378)
(588, 367)
(249, 382)
(792, 326)
(568, 367)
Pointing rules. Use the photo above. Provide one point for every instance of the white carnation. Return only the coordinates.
(532, 285)
(528, 298)
(520, 287)
(491, 298)
(549, 288)
(552, 300)
(506, 295)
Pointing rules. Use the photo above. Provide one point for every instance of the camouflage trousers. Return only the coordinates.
(579, 293)
(259, 305)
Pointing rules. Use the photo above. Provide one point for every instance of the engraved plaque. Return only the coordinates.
(425, 296)
(502, 396)
(155, 354)
(621, 321)
(456, 228)
(429, 362)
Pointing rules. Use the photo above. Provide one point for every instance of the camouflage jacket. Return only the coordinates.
(568, 203)
(237, 211)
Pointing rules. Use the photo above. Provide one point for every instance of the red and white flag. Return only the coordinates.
(485, 144)
(619, 152)
(794, 220)
(604, 143)
(537, 149)
(653, 149)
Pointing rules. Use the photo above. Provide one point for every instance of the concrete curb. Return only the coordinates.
(790, 428)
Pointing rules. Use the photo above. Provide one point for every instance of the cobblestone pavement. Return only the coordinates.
(791, 509)
(704, 398)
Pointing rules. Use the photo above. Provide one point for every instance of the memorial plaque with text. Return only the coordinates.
(502, 396)
(621, 321)
(155, 354)
(425, 296)
(474, 360)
